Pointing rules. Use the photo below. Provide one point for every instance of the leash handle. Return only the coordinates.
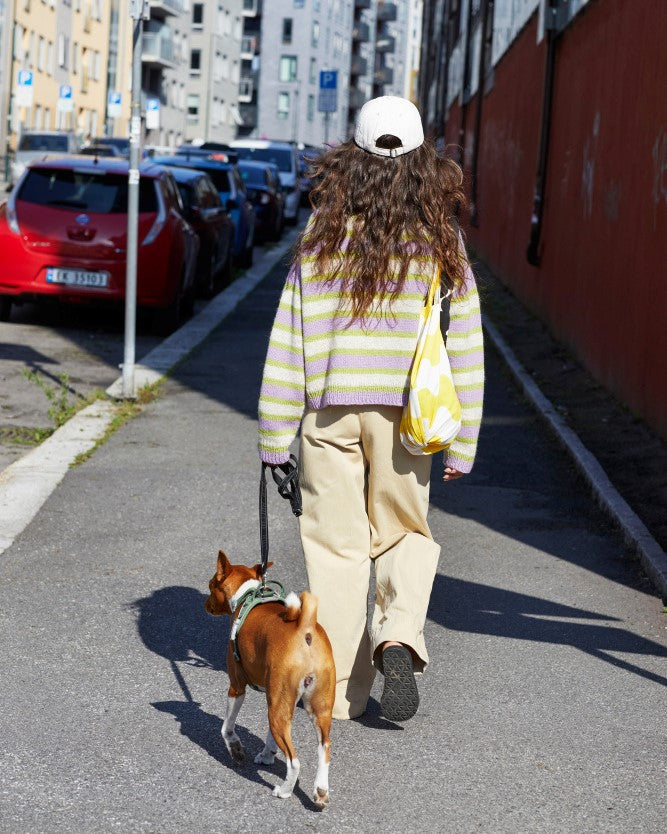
(288, 488)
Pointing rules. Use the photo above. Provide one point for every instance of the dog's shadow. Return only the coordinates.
(173, 623)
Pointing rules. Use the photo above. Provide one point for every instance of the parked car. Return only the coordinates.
(37, 144)
(282, 154)
(262, 183)
(63, 235)
(228, 182)
(307, 155)
(101, 150)
(121, 143)
(203, 209)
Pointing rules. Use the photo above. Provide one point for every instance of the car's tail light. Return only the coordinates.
(160, 220)
(10, 213)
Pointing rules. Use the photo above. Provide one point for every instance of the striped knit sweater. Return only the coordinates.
(318, 357)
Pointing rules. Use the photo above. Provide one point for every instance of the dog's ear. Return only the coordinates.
(257, 569)
(223, 565)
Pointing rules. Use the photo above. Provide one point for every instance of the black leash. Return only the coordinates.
(286, 476)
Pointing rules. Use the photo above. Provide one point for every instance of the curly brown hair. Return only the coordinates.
(400, 208)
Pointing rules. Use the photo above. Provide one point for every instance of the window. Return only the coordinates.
(197, 15)
(283, 105)
(312, 73)
(193, 108)
(75, 58)
(195, 61)
(287, 30)
(41, 55)
(288, 68)
(311, 108)
(298, 4)
(315, 35)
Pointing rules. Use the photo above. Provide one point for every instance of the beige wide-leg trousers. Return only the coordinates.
(365, 499)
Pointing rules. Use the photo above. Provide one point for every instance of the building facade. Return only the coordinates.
(62, 48)
(300, 40)
(566, 152)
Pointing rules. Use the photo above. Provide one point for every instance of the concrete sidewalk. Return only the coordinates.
(543, 707)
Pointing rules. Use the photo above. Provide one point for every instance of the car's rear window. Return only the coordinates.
(279, 156)
(42, 142)
(252, 175)
(91, 192)
(221, 179)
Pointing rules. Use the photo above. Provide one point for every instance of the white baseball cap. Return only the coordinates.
(389, 115)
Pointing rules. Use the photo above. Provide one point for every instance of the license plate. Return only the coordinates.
(77, 277)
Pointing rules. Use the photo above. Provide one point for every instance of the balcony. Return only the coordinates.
(360, 31)
(383, 75)
(157, 47)
(358, 65)
(357, 99)
(246, 88)
(249, 47)
(249, 115)
(385, 43)
(386, 12)
(165, 8)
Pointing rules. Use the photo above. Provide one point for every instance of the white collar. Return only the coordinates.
(247, 586)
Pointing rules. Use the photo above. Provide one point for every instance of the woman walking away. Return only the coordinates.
(341, 349)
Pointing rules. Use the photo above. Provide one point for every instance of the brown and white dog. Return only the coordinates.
(284, 651)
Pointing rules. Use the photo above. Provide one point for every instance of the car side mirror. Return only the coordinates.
(232, 203)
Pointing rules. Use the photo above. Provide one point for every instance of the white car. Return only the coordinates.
(284, 155)
(38, 144)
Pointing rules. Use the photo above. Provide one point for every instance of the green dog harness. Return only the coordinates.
(255, 595)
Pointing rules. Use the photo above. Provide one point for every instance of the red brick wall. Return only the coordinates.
(601, 285)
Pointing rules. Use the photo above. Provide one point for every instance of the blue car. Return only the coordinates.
(230, 187)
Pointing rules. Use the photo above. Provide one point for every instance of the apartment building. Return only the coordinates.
(299, 40)
(214, 70)
(68, 71)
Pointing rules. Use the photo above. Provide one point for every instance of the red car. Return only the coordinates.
(63, 235)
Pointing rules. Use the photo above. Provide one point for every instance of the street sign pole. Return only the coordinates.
(138, 10)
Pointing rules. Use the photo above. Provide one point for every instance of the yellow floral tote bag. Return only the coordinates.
(431, 418)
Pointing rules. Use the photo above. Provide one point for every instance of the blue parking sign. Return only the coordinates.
(328, 97)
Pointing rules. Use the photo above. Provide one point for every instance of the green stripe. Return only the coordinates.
(346, 389)
(281, 400)
(346, 371)
(279, 418)
(360, 352)
(286, 328)
(365, 333)
(371, 314)
(295, 386)
(277, 363)
(275, 432)
(465, 352)
(468, 370)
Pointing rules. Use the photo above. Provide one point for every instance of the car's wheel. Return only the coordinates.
(246, 257)
(208, 284)
(5, 308)
(167, 319)
(226, 271)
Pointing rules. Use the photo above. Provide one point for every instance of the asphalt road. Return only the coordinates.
(543, 708)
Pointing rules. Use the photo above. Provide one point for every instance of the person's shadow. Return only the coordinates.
(173, 623)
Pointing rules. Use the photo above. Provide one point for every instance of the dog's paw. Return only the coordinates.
(321, 797)
(236, 750)
(265, 757)
(282, 792)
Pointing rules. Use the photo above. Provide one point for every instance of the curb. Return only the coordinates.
(635, 533)
(26, 484)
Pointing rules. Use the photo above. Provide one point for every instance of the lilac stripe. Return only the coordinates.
(336, 362)
(270, 389)
(291, 320)
(468, 360)
(470, 395)
(383, 327)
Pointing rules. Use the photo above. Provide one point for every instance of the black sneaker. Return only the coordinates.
(400, 697)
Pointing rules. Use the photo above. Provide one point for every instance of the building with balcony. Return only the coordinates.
(250, 67)
(215, 49)
(385, 51)
(300, 40)
(64, 47)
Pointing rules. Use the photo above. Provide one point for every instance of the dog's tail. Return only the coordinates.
(302, 609)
